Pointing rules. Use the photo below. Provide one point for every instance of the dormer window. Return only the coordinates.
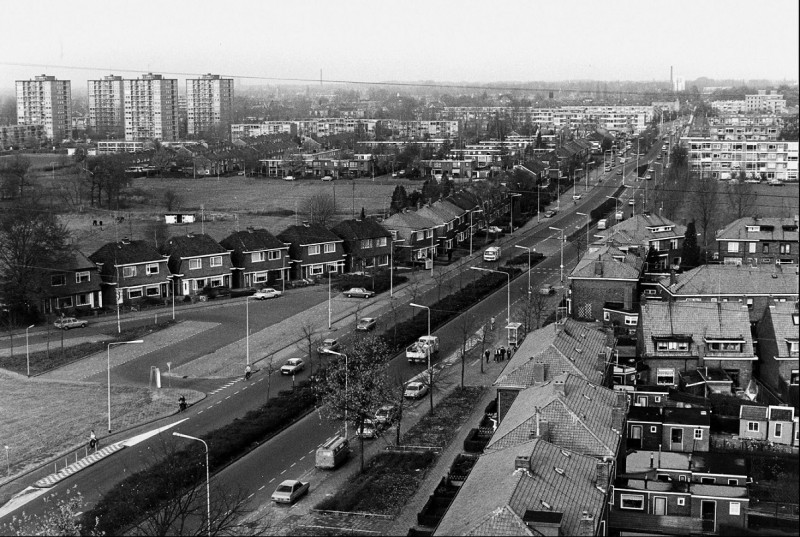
(675, 346)
(794, 345)
(724, 345)
(753, 229)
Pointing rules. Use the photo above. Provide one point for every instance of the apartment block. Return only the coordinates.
(209, 105)
(16, 136)
(765, 102)
(721, 159)
(109, 147)
(751, 127)
(46, 101)
(729, 107)
(267, 128)
(107, 106)
(151, 108)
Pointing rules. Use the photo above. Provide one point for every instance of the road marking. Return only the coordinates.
(310, 452)
(283, 472)
(292, 466)
(303, 457)
(243, 389)
(271, 480)
(227, 397)
(251, 495)
(199, 412)
(262, 487)
(236, 392)
(209, 407)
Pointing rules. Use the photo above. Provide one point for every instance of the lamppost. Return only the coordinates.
(27, 350)
(512, 196)
(208, 479)
(588, 222)
(471, 232)
(427, 351)
(108, 349)
(329, 298)
(173, 279)
(433, 247)
(508, 293)
(247, 328)
(538, 203)
(346, 375)
(561, 266)
(529, 263)
(575, 179)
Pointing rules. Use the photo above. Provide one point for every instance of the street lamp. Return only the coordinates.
(108, 349)
(428, 352)
(346, 375)
(247, 328)
(208, 479)
(173, 279)
(471, 232)
(512, 211)
(27, 350)
(508, 292)
(329, 298)
(561, 266)
(588, 222)
(433, 248)
(529, 263)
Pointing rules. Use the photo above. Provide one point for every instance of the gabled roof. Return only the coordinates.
(465, 200)
(554, 480)
(252, 240)
(609, 263)
(308, 234)
(450, 207)
(73, 260)
(360, 229)
(408, 220)
(737, 230)
(579, 419)
(193, 245)
(784, 316)
(125, 253)
(780, 413)
(639, 229)
(436, 214)
(734, 280)
(753, 413)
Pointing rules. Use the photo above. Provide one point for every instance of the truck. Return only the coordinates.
(419, 350)
(492, 254)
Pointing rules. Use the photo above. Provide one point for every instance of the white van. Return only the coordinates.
(492, 253)
(602, 223)
(332, 453)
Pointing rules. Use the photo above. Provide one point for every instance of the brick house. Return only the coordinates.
(778, 350)
(669, 429)
(314, 250)
(416, 235)
(197, 262)
(471, 218)
(367, 244)
(778, 424)
(258, 258)
(447, 226)
(679, 337)
(74, 285)
(131, 271)
(605, 283)
(758, 241)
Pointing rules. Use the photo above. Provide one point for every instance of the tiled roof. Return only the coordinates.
(734, 280)
(637, 229)
(629, 267)
(74, 260)
(465, 200)
(193, 245)
(737, 230)
(252, 240)
(687, 416)
(753, 413)
(698, 320)
(450, 207)
(784, 326)
(408, 220)
(124, 253)
(435, 213)
(556, 480)
(308, 234)
(360, 229)
(580, 420)
(781, 413)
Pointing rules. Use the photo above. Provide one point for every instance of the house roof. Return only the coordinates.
(408, 220)
(308, 234)
(572, 346)
(687, 416)
(770, 229)
(785, 326)
(696, 321)
(450, 207)
(193, 245)
(734, 280)
(360, 229)
(609, 262)
(555, 480)
(778, 413)
(73, 260)
(252, 240)
(125, 253)
(436, 213)
(465, 200)
(699, 462)
(640, 229)
(753, 413)
(579, 420)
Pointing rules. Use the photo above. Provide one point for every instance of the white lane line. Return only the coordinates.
(227, 397)
(199, 412)
(208, 407)
(292, 466)
(251, 495)
(271, 480)
(243, 389)
(303, 457)
(236, 392)
(262, 487)
(283, 472)
(310, 452)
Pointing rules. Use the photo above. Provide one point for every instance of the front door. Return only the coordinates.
(708, 513)
(635, 441)
(659, 505)
(676, 439)
(642, 400)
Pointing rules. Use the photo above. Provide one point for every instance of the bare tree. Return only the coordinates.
(742, 197)
(171, 199)
(485, 337)
(439, 276)
(538, 305)
(396, 396)
(308, 343)
(319, 208)
(60, 517)
(705, 206)
(14, 175)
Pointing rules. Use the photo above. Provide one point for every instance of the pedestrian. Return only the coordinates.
(487, 353)
(247, 372)
(502, 353)
(92, 440)
(491, 323)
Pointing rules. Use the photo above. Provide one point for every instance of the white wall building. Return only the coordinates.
(266, 128)
(107, 106)
(209, 104)
(722, 158)
(771, 102)
(151, 108)
(48, 102)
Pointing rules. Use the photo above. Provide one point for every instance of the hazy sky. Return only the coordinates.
(375, 40)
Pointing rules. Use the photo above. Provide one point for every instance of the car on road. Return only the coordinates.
(415, 390)
(365, 324)
(648, 176)
(546, 289)
(360, 292)
(576, 197)
(386, 415)
(327, 178)
(752, 181)
(265, 293)
(549, 214)
(369, 429)
(289, 178)
(290, 491)
(70, 322)
(329, 346)
(775, 182)
(494, 229)
(632, 202)
(293, 366)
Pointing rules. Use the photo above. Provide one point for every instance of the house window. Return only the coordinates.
(708, 480)
(273, 255)
(259, 277)
(733, 482)
(82, 277)
(216, 261)
(665, 376)
(195, 264)
(313, 249)
(778, 432)
(128, 272)
(65, 302)
(366, 243)
(153, 291)
(749, 303)
(631, 321)
(765, 248)
(152, 268)
(330, 248)
(82, 299)
(135, 293)
(681, 501)
(751, 247)
(316, 270)
(676, 435)
(672, 345)
(58, 280)
(785, 248)
(215, 282)
(383, 260)
(606, 315)
(381, 241)
(794, 377)
(257, 257)
(794, 346)
(333, 267)
(653, 429)
(733, 247)
(752, 426)
(735, 508)
(631, 501)
(698, 434)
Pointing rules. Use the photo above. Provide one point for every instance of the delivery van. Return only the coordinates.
(602, 223)
(332, 453)
(492, 253)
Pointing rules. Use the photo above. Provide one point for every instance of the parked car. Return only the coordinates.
(576, 197)
(290, 491)
(267, 292)
(631, 201)
(549, 214)
(70, 322)
(327, 178)
(415, 390)
(369, 429)
(359, 292)
(293, 366)
(648, 176)
(289, 178)
(546, 289)
(328, 346)
(365, 324)
(386, 414)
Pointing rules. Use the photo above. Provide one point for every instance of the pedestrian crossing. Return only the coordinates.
(100, 454)
(224, 386)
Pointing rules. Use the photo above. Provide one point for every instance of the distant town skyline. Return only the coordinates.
(265, 42)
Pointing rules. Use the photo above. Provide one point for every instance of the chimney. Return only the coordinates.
(617, 419)
(652, 456)
(586, 524)
(601, 361)
(522, 462)
(598, 268)
(538, 372)
(560, 385)
(701, 355)
(602, 475)
(673, 278)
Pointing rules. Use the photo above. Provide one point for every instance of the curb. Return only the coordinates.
(49, 481)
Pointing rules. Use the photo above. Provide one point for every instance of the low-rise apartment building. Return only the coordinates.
(759, 241)
(721, 159)
(367, 244)
(72, 286)
(314, 250)
(131, 271)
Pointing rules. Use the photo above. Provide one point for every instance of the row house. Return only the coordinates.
(679, 337)
(740, 127)
(416, 233)
(776, 424)
(314, 250)
(455, 170)
(367, 244)
(75, 283)
(471, 216)
(446, 226)
(758, 241)
(258, 258)
(669, 429)
(779, 350)
(131, 271)
(756, 286)
(198, 262)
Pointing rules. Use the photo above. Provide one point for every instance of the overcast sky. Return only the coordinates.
(377, 40)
